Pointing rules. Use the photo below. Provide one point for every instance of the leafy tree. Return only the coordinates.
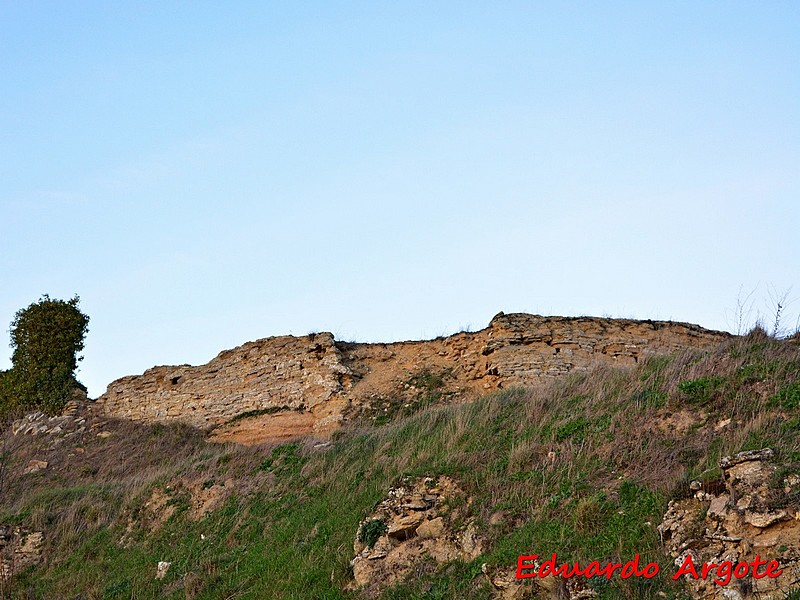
(6, 393)
(46, 337)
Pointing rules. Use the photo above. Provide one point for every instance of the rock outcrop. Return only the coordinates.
(755, 513)
(284, 386)
(506, 586)
(273, 374)
(19, 548)
(71, 421)
(420, 519)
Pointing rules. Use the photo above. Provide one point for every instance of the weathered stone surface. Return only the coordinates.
(419, 524)
(311, 384)
(505, 584)
(431, 529)
(34, 466)
(162, 568)
(273, 375)
(69, 422)
(507, 587)
(737, 525)
(19, 548)
(749, 456)
(405, 526)
(718, 508)
(762, 520)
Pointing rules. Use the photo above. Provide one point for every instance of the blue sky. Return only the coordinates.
(203, 174)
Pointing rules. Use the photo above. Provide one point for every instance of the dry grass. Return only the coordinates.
(577, 467)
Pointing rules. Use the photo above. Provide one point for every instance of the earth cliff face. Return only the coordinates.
(284, 386)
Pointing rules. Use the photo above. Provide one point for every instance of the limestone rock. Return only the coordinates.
(736, 526)
(69, 422)
(751, 455)
(404, 526)
(413, 533)
(718, 509)
(506, 585)
(431, 529)
(763, 520)
(286, 386)
(269, 375)
(34, 466)
(19, 548)
(162, 568)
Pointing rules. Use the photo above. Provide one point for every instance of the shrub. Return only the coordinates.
(370, 532)
(46, 337)
(7, 396)
(589, 514)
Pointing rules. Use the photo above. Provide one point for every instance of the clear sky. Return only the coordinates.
(204, 174)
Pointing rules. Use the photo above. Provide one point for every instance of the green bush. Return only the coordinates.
(46, 337)
(7, 398)
(370, 531)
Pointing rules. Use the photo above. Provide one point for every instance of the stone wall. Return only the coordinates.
(280, 373)
(311, 383)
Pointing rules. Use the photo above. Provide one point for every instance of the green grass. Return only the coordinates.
(701, 390)
(788, 397)
(271, 410)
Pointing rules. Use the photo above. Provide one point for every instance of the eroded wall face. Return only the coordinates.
(316, 381)
(282, 373)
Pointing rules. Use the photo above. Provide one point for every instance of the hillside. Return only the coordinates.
(279, 387)
(432, 500)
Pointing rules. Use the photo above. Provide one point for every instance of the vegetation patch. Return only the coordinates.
(788, 397)
(700, 391)
(415, 394)
(46, 338)
(270, 410)
(284, 460)
(574, 429)
(370, 531)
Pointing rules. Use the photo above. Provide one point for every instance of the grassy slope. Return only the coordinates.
(581, 468)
